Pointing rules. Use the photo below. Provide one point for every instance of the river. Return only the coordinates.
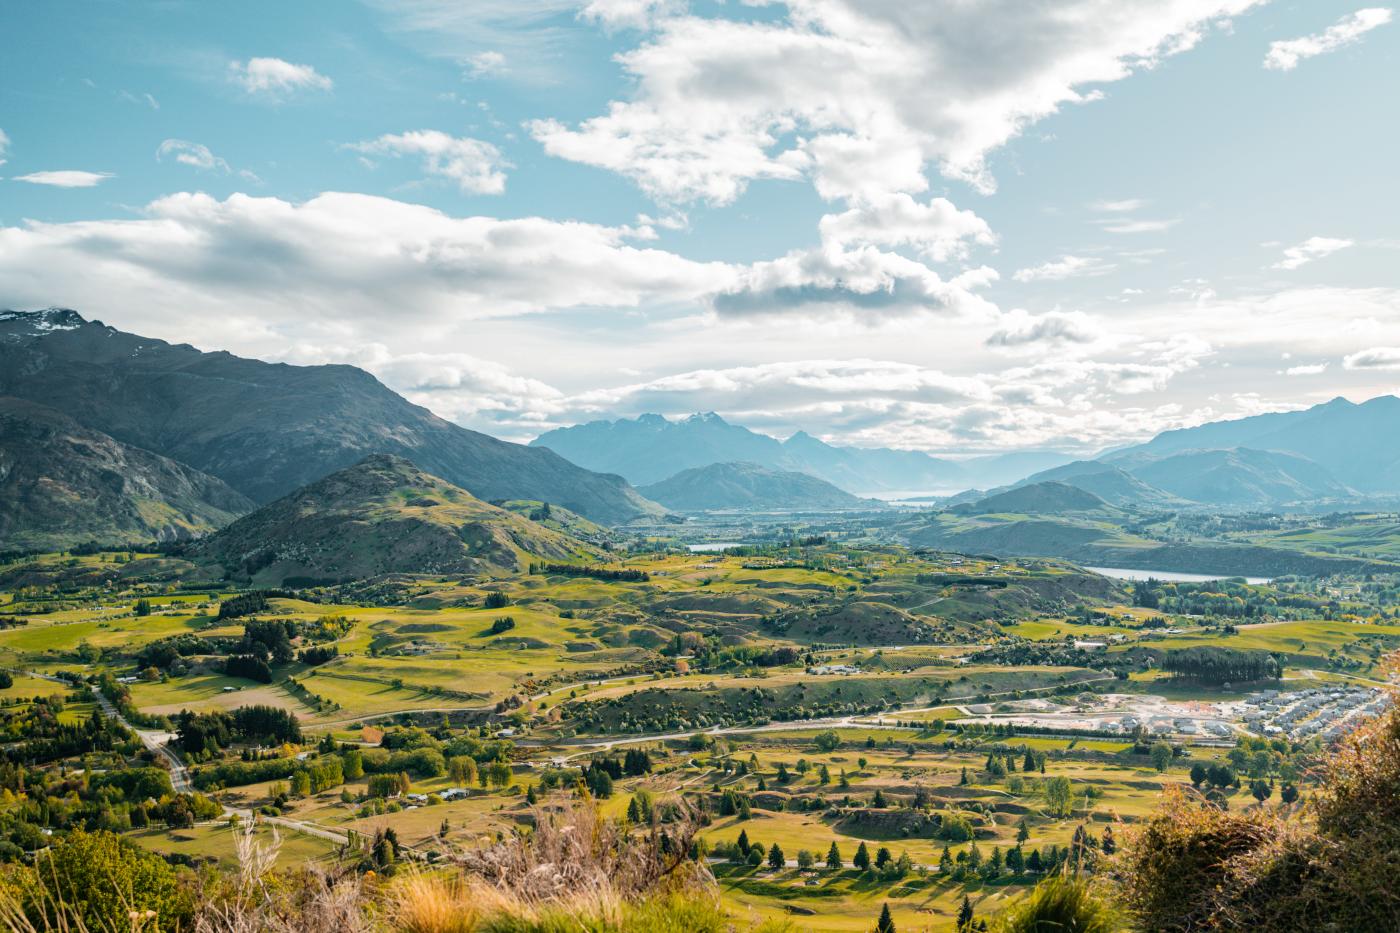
(1171, 576)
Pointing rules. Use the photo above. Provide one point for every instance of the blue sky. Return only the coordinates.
(957, 227)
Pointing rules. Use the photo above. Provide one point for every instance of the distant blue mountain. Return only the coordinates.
(651, 448)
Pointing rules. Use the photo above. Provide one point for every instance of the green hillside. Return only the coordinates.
(383, 515)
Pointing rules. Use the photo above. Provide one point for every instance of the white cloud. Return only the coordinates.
(475, 166)
(1054, 327)
(146, 99)
(338, 258)
(483, 64)
(191, 154)
(65, 178)
(630, 13)
(937, 230)
(862, 285)
(1285, 54)
(274, 78)
(1374, 358)
(1316, 247)
(1311, 369)
(1067, 267)
(813, 94)
(1119, 207)
(1139, 226)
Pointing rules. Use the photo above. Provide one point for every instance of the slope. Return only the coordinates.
(722, 486)
(62, 484)
(1237, 477)
(382, 515)
(1358, 443)
(265, 428)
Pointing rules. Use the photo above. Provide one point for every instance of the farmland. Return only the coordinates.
(803, 698)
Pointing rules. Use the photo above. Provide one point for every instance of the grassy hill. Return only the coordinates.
(383, 515)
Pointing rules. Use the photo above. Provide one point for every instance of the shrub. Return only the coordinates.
(1059, 904)
(99, 879)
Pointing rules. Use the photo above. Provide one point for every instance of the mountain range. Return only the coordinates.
(266, 429)
(650, 448)
(728, 486)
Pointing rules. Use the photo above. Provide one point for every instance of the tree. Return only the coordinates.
(105, 878)
(1059, 796)
(1161, 755)
(833, 857)
(742, 843)
(1198, 774)
(806, 861)
(862, 858)
(886, 923)
(1288, 793)
(755, 858)
(883, 857)
(965, 915)
(1261, 790)
(776, 859)
(462, 770)
(498, 774)
(142, 607)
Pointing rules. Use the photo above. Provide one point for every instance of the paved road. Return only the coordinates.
(154, 740)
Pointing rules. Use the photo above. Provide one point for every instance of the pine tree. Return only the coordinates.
(965, 915)
(862, 859)
(886, 923)
(776, 859)
(743, 842)
(833, 857)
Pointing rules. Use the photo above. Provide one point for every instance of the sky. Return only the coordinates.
(961, 227)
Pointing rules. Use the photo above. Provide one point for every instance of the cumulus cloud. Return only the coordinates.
(864, 285)
(191, 154)
(937, 229)
(1285, 54)
(336, 257)
(1312, 248)
(1053, 327)
(816, 93)
(476, 167)
(67, 178)
(1374, 358)
(274, 78)
(1067, 267)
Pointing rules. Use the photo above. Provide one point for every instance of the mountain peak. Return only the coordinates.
(16, 325)
(705, 417)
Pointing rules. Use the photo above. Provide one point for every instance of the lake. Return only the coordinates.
(1170, 576)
